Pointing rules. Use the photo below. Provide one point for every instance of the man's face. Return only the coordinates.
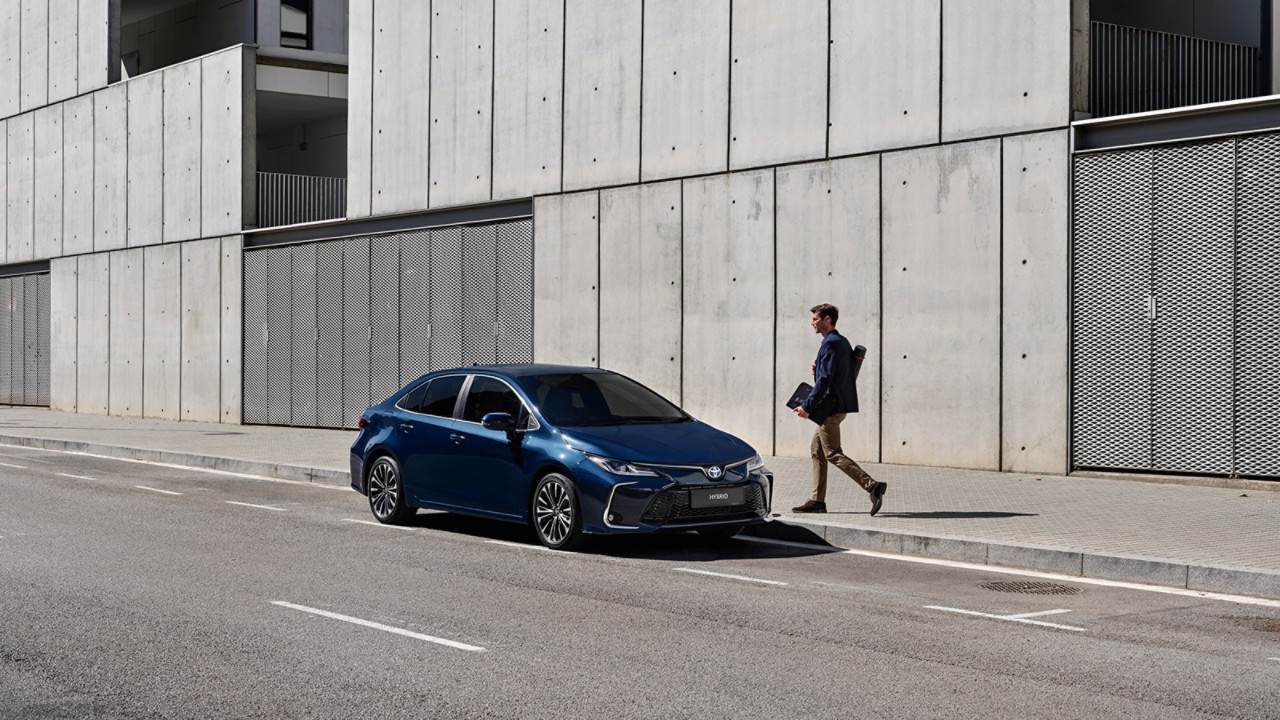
(820, 324)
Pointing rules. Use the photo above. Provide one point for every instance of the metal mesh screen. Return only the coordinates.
(334, 326)
(279, 344)
(329, 334)
(415, 304)
(515, 291)
(1193, 238)
(43, 340)
(24, 340)
(1111, 330)
(6, 341)
(302, 335)
(355, 329)
(18, 349)
(31, 340)
(255, 337)
(480, 294)
(1257, 428)
(446, 298)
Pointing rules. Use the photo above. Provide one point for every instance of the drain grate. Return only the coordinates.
(1032, 588)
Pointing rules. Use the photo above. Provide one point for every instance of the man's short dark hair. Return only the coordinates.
(827, 310)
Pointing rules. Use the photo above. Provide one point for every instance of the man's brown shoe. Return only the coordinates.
(877, 496)
(811, 506)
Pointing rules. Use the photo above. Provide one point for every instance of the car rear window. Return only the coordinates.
(441, 396)
(580, 399)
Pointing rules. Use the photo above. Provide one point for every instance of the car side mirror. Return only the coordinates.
(498, 421)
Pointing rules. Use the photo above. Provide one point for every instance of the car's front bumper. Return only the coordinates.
(638, 505)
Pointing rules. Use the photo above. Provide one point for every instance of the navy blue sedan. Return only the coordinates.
(571, 451)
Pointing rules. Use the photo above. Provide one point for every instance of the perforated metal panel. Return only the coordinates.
(480, 294)
(279, 344)
(302, 336)
(515, 292)
(1111, 330)
(255, 337)
(415, 304)
(1257, 436)
(24, 340)
(355, 329)
(335, 326)
(446, 299)
(329, 334)
(1193, 280)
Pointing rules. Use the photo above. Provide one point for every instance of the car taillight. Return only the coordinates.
(363, 422)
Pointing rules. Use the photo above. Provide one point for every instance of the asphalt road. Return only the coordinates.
(137, 591)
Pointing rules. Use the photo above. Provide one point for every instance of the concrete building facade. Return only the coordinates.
(657, 187)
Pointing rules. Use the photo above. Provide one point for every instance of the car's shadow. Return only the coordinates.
(683, 546)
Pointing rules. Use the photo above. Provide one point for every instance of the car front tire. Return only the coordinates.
(386, 492)
(555, 514)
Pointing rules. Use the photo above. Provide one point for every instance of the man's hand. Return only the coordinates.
(813, 369)
(802, 412)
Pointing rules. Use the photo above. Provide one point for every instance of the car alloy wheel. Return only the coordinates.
(555, 513)
(386, 492)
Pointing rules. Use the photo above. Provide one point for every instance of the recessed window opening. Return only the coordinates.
(295, 24)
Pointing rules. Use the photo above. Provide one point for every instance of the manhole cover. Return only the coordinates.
(1032, 588)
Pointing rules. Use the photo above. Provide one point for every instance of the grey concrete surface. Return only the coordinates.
(120, 601)
(1217, 538)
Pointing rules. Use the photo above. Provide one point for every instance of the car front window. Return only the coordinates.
(584, 399)
(490, 395)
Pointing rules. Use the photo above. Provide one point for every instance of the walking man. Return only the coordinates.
(834, 395)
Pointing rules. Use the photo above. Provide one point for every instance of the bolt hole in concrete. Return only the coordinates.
(1026, 587)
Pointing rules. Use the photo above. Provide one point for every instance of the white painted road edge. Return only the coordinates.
(1019, 618)
(380, 626)
(260, 507)
(175, 466)
(1183, 592)
(743, 578)
(157, 490)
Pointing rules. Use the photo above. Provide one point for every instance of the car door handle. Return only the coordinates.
(457, 439)
(407, 427)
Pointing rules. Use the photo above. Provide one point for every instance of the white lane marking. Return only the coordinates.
(1010, 618)
(376, 524)
(1182, 592)
(1042, 613)
(521, 546)
(744, 578)
(1276, 659)
(158, 490)
(260, 507)
(191, 468)
(20, 467)
(77, 477)
(380, 626)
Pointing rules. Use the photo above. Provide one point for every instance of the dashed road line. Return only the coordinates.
(11, 465)
(376, 524)
(157, 490)
(260, 507)
(523, 546)
(727, 576)
(77, 477)
(1018, 618)
(379, 626)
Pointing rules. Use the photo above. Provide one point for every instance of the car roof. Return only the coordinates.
(527, 369)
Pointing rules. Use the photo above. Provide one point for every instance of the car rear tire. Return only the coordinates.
(555, 515)
(720, 533)
(386, 492)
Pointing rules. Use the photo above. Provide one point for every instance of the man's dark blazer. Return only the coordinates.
(834, 390)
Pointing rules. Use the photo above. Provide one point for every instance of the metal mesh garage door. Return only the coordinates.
(334, 326)
(24, 340)
(1176, 308)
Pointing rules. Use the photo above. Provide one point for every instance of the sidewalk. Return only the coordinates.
(1220, 539)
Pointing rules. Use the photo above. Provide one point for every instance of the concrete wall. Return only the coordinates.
(160, 158)
(588, 95)
(566, 279)
(149, 331)
(51, 50)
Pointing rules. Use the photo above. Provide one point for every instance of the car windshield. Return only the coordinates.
(582, 399)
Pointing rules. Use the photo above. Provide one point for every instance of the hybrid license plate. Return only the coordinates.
(717, 497)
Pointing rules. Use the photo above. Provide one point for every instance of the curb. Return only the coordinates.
(297, 473)
(1148, 571)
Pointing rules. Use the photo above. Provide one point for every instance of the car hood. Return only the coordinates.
(686, 443)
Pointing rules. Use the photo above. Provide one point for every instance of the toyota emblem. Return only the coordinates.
(714, 472)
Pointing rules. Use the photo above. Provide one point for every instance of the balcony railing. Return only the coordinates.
(1134, 70)
(285, 199)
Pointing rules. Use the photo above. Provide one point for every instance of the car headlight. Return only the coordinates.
(755, 463)
(619, 467)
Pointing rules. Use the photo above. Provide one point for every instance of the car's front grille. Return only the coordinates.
(673, 506)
